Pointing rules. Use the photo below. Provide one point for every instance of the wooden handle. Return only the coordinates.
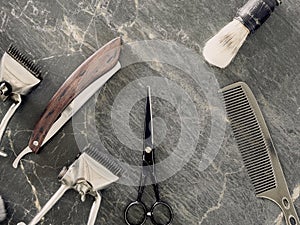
(94, 67)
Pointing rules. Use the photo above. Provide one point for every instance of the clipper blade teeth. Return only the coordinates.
(105, 160)
(24, 60)
(247, 130)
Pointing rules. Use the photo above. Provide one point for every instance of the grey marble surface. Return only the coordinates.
(61, 34)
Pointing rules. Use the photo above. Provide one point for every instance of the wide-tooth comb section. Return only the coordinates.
(24, 60)
(250, 138)
(104, 160)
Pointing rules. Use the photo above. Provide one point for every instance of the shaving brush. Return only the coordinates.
(223, 47)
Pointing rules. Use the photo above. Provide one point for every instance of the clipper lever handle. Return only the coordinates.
(59, 193)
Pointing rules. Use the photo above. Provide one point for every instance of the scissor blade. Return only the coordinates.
(148, 130)
(71, 109)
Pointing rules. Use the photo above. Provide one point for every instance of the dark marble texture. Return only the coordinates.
(61, 34)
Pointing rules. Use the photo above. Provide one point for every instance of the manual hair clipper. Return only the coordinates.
(18, 75)
(92, 172)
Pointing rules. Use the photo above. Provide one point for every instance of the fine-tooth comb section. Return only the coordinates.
(104, 160)
(24, 59)
(250, 139)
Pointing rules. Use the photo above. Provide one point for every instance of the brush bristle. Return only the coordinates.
(24, 60)
(222, 48)
(2, 210)
(105, 160)
(246, 126)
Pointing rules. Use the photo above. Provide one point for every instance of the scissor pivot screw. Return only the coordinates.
(35, 143)
(148, 149)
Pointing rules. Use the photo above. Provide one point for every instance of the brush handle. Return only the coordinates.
(93, 68)
(255, 12)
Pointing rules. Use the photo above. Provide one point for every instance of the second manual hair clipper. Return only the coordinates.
(18, 75)
(92, 172)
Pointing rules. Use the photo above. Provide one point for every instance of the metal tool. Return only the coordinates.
(161, 212)
(73, 94)
(257, 149)
(92, 172)
(2, 210)
(18, 75)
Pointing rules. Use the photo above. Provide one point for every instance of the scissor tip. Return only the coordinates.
(148, 91)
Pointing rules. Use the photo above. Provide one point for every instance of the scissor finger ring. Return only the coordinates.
(133, 209)
(161, 213)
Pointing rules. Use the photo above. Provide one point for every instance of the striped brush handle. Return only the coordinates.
(255, 12)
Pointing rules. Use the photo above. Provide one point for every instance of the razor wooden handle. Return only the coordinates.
(94, 67)
(255, 12)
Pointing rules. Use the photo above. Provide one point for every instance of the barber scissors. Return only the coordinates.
(160, 212)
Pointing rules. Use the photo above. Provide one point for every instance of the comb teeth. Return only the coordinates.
(104, 160)
(24, 60)
(249, 137)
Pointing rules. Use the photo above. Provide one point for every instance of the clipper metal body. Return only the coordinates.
(18, 75)
(86, 176)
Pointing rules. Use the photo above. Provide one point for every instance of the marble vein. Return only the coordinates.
(221, 196)
(33, 189)
(62, 5)
(13, 11)
(63, 33)
(4, 21)
(90, 22)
